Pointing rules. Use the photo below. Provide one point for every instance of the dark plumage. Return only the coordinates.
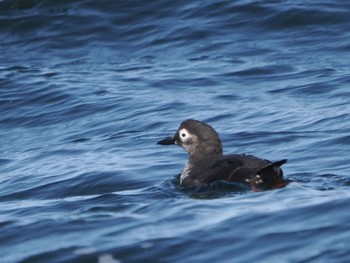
(207, 164)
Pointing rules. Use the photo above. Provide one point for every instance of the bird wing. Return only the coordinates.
(233, 168)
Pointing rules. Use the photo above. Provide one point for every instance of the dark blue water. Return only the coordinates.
(87, 88)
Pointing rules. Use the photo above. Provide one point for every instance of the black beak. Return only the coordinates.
(167, 141)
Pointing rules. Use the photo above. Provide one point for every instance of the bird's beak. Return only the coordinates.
(167, 141)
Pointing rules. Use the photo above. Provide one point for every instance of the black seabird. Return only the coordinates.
(206, 163)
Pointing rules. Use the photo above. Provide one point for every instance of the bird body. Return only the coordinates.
(207, 164)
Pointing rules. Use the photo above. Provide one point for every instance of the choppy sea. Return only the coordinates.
(87, 88)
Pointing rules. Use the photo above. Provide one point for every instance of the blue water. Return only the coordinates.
(87, 88)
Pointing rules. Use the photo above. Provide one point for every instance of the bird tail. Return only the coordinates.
(273, 168)
(271, 176)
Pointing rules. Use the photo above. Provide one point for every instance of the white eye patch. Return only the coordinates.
(184, 135)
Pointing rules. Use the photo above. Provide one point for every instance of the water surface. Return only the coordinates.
(87, 89)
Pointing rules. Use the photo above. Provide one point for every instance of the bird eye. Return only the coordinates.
(183, 133)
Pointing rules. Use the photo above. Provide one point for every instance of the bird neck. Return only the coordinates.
(201, 156)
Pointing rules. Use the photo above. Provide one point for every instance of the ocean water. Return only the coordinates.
(87, 88)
